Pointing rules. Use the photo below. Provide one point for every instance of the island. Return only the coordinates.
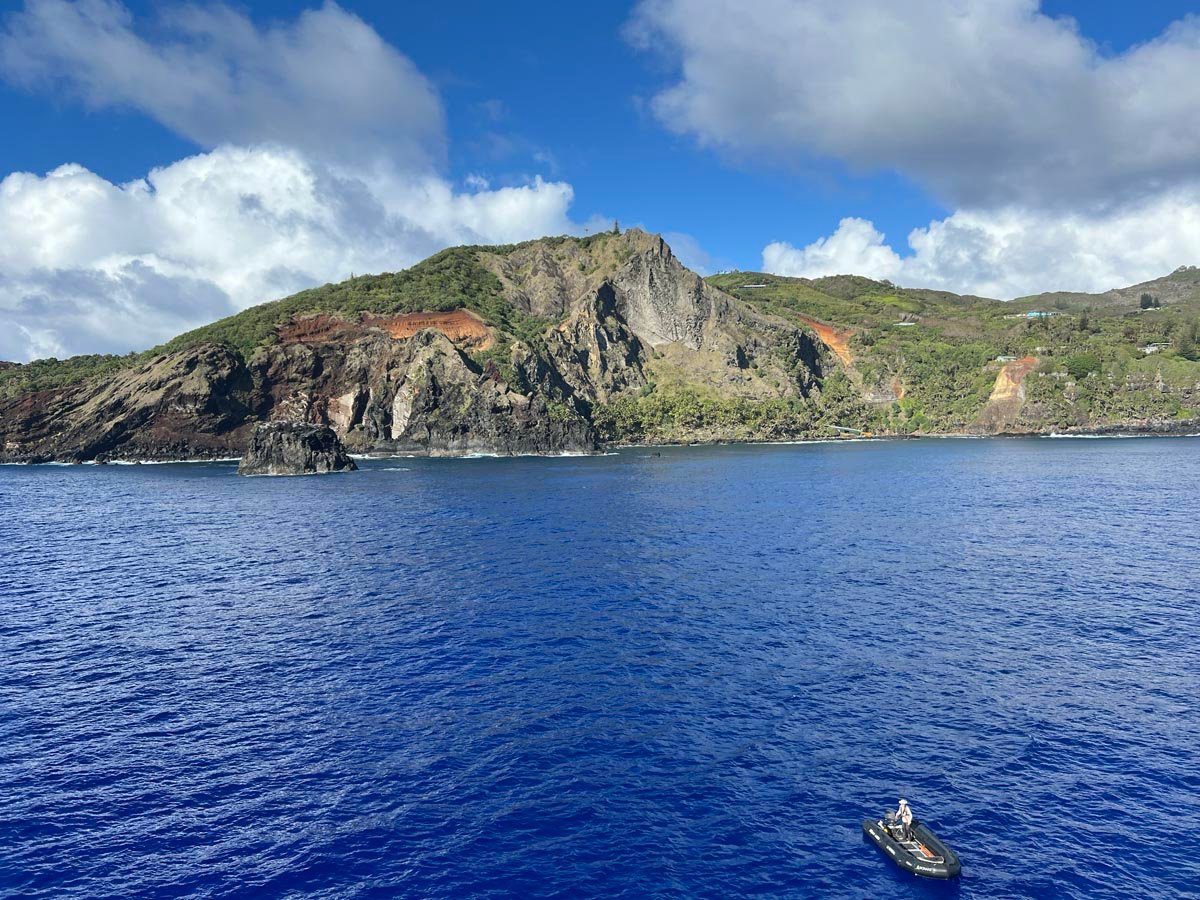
(572, 344)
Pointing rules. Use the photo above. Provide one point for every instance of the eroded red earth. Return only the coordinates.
(837, 339)
(460, 325)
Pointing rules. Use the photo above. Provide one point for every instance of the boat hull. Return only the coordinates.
(948, 867)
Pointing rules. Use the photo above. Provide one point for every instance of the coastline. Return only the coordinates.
(1111, 432)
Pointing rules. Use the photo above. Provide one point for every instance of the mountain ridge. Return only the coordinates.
(566, 344)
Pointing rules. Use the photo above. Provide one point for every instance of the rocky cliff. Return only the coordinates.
(294, 448)
(505, 350)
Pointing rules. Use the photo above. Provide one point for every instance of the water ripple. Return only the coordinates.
(624, 676)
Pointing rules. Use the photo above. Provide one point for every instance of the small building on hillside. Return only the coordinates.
(1032, 314)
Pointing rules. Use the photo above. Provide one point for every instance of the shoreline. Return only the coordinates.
(1104, 432)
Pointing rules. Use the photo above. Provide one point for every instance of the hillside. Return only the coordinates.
(565, 344)
(557, 345)
(1179, 289)
(934, 362)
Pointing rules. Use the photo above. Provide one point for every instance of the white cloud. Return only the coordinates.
(855, 248)
(326, 83)
(1069, 168)
(65, 311)
(322, 144)
(92, 266)
(986, 102)
(1012, 251)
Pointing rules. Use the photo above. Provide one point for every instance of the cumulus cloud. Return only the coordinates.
(325, 83)
(1067, 167)
(986, 102)
(321, 149)
(1012, 252)
(91, 266)
(62, 312)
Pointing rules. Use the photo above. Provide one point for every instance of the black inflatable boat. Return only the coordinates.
(923, 854)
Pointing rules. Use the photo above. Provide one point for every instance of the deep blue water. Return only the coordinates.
(624, 676)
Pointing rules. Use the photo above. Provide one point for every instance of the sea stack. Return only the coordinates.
(294, 448)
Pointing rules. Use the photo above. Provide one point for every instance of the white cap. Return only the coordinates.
(903, 802)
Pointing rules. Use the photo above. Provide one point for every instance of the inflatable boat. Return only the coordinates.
(922, 854)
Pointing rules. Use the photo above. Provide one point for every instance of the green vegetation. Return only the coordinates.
(1081, 365)
(50, 374)
(559, 411)
(943, 353)
(1185, 344)
(452, 279)
(686, 413)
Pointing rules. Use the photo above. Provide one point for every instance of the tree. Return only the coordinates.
(1147, 301)
(1185, 344)
(616, 227)
(1081, 365)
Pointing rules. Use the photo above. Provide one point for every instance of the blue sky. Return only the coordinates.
(1033, 147)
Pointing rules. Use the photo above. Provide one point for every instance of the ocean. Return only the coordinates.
(686, 672)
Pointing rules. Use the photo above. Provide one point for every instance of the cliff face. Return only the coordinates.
(580, 325)
(194, 403)
(421, 394)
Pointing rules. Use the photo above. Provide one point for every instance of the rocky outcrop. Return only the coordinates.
(419, 395)
(294, 448)
(595, 352)
(190, 404)
(664, 303)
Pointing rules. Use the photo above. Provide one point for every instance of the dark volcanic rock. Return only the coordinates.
(294, 448)
(190, 404)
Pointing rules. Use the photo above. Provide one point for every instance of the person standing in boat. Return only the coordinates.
(905, 817)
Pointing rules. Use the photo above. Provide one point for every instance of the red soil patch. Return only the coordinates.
(1008, 382)
(837, 339)
(459, 325)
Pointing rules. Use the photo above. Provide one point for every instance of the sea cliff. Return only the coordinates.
(566, 344)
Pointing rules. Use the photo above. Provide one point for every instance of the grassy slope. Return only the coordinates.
(946, 360)
(1179, 289)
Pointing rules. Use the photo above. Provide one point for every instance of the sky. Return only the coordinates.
(165, 164)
